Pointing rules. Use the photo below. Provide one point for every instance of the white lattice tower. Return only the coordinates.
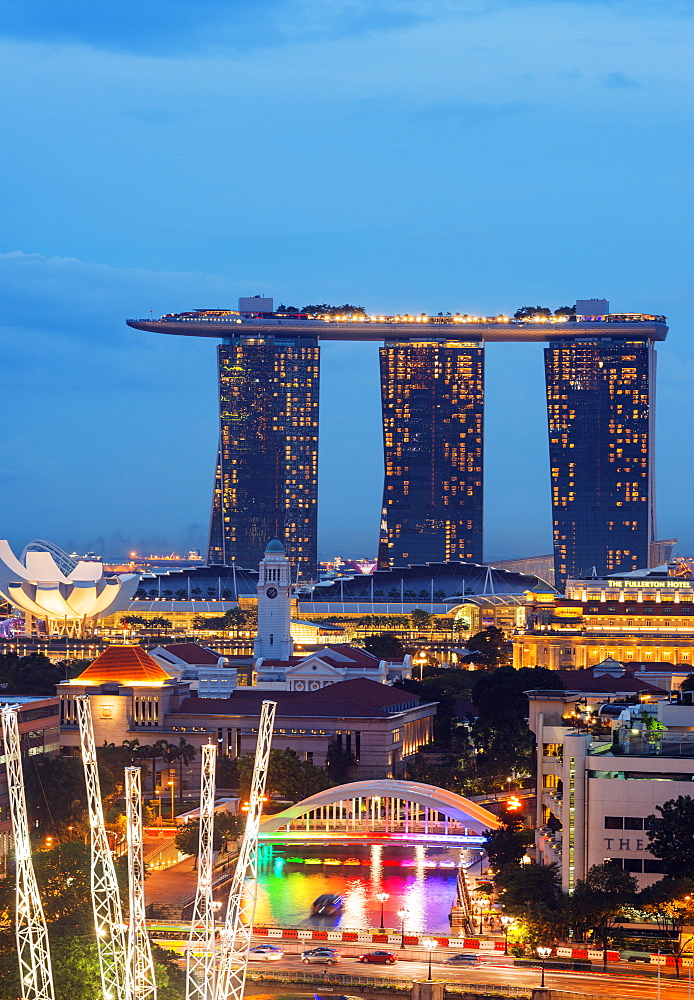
(140, 981)
(238, 928)
(106, 903)
(32, 935)
(200, 961)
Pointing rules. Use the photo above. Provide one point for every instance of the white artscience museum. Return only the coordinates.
(68, 596)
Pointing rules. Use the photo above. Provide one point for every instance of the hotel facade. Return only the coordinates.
(599, 371)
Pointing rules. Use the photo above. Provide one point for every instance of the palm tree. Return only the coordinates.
(184, 753)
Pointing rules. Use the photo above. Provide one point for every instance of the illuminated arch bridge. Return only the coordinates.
(382, 808)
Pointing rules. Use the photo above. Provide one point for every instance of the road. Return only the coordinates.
(636, 986)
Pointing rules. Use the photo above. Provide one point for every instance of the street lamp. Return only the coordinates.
(544, 953)
(171, 786)
(403, 912)
(382, 897)
(506, 923)
(429, 944)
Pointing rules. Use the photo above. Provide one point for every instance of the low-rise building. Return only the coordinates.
(601, 774)
(39, 733)
(137, 696)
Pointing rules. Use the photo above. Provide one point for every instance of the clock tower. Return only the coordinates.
(274, 640)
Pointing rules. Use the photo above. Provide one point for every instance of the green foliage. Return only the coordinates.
(56, 794)
(384, 645)
(600, 900)
(688, 683)
(188, 838)
(288, 776)
(532, 894)
(527, 312)
(338, 763)
(234, 620)
(226, 827)
(76, 974)
(671, 836)
(154, 622)
(33, 674)
(505, 846)
(444, 773)
(488, 646)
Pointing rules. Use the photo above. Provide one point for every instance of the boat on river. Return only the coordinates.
(327, 905)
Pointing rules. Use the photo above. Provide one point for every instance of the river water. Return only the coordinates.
(420, 879)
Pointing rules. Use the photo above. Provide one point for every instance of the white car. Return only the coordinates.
(265, 953)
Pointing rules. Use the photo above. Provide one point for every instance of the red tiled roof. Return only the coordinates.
(190, 652)
(358, 698)
(586, 682)
(123, 665)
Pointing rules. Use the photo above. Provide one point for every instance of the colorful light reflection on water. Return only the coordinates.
(420, 879)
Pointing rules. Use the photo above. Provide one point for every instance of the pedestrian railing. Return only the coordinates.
(383, 983)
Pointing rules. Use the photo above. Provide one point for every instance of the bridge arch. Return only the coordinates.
(385, 803)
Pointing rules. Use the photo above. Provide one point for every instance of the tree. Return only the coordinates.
(488, 646)
(338, 763)
(671, 836)
(671, 902)
(599, 900)
(76, 975)
(384, 645)
(527, 312)
(532, 894)
(32, 674)
(505, 846)
(688, 683)
(55, 793)
(184, 753)
(565, 311)
(288, 776)
(188, 839)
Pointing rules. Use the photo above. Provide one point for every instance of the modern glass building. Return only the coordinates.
(601, 439)
(266, 482)
(432, 395)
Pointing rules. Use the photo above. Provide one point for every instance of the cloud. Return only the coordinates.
(619, 81)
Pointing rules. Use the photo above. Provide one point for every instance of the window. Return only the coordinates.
(633, 823)
(614, 823)
(633, 865)
(653, 867)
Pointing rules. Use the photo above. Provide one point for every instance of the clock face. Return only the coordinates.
(271, 592)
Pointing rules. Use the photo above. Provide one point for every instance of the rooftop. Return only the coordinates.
(123, 665)
(356, 326)
(360, 698)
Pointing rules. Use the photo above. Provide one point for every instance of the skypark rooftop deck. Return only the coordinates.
(221, 323)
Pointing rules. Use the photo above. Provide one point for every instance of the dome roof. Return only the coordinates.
(123, 665)
(275, 546)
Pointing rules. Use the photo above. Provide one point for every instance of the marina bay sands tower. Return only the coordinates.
(599, 373)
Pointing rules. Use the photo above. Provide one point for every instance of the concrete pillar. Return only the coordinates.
(427, 991)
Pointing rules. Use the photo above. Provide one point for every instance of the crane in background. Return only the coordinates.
(238, 928)
(200, 960)
(32, 934)
(108, 915)
(140, 981)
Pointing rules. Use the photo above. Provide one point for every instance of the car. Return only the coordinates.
(461, 959)
(382, 957)
(265, 953)
(318, 956)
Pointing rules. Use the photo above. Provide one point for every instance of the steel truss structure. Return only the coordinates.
(108, 914)
(238, 928)
(32, 934)
(139, 978)
(200, 960)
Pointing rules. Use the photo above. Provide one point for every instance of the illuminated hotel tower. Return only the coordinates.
(601, 440)
(266, 483)
(432, 395)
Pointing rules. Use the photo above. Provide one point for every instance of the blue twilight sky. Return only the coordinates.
(471, 155)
